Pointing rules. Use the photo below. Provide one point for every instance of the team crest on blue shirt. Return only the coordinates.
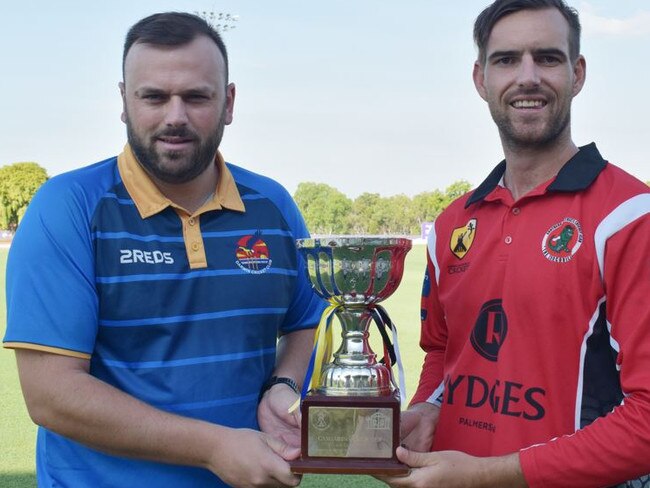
(253, 254)
(462, 238)
(562, 241)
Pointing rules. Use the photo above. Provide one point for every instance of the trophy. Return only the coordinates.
(351, 406)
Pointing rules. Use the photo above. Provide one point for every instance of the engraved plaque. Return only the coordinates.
(350, 432)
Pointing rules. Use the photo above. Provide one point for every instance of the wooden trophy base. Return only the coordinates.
(350, 435)
(349, 466)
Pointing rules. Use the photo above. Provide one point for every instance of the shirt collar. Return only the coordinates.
(149, 200)
(577, 174)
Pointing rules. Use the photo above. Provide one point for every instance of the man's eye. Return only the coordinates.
(548, 60)
(505, 61)
(153, 97)
(197, 98)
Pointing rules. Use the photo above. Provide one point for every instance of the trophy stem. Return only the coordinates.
(355, 349)
(355, 370)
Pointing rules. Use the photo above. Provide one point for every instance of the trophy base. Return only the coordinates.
(350, 435)
(349, 466)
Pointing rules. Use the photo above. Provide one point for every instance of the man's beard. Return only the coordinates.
(521, 137)
(173, 167)
(517, 139)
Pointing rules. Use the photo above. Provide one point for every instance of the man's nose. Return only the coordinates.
(528, 73)
(176, 114)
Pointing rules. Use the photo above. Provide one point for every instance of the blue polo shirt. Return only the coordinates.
(179, 310)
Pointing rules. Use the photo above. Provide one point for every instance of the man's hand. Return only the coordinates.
(417, 426)
(274, 417)
(453, 469)
(255, 460)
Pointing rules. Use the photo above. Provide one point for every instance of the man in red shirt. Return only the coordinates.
(535, 312)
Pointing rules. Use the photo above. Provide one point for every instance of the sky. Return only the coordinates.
(364, 95)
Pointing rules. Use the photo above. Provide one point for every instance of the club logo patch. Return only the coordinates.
(462, 238)
(562, 241)
(253, 255)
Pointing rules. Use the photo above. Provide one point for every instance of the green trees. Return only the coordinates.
(367, 214)
(18, 183)
(325, 209)
(328, 211)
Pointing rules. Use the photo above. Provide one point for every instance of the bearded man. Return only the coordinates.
(146, 293)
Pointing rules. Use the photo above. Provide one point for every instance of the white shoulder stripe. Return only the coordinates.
(626, 213)
(431, 247)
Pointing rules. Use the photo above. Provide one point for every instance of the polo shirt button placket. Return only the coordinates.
(515, 211)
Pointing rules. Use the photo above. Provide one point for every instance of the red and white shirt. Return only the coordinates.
(536, 325)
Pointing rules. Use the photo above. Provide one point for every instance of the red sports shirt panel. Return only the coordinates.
(536, 323)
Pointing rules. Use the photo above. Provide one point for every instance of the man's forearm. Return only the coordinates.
(502, 471)
(62, 397)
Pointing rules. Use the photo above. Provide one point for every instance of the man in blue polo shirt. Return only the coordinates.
(146, 292)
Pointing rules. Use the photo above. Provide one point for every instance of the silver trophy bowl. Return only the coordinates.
(355, 273)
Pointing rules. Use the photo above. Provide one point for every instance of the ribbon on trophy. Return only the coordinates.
(322, 349)
(391, 351)
(320, 353)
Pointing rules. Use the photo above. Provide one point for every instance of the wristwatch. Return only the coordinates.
(274, 380)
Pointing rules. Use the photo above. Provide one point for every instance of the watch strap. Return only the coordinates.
(275, 380)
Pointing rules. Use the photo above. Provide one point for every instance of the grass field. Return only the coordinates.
(17, 433)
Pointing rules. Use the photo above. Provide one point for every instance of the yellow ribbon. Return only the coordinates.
(322, 350)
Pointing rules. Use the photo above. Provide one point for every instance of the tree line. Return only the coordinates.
(328, 211)
(325, 209)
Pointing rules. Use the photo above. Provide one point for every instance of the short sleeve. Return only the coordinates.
(50, 289)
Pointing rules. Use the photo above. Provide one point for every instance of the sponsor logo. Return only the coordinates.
(462, 238)
(457, 268)
(477, 424)
(490, 330)
(132, 256)
(502, 397)
(252, 255)
(562, 241)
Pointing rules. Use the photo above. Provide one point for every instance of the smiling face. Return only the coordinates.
(528, 78)
(176, 104)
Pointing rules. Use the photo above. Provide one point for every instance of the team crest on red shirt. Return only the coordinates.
(253, 254)
(562, 241)
(462, 238)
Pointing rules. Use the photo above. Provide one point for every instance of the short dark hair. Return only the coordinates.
(172, 29)
(500, 8)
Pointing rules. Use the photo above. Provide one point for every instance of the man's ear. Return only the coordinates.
(230, 103)
(579, 74)
(123, 94)
(478, 74)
